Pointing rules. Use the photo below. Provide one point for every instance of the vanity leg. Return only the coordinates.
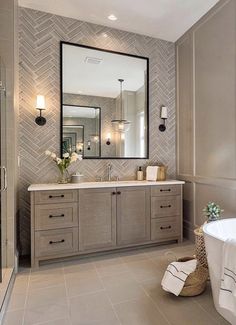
(35, 264)
(179, 240)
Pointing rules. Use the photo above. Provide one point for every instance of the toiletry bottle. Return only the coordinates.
(140, 174)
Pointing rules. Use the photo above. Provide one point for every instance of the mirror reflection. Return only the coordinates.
(104, 103)
(81, 130)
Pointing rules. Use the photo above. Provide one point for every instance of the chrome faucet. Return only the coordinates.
(109, 168)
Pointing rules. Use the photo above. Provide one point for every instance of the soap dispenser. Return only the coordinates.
(140, 174)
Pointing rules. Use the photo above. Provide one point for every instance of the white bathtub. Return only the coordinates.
(215, 233)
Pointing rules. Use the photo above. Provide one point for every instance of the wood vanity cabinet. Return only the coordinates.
(113, 216)
(80, 221)
(97, 219)
(133, 215)
(54, 224)
(166, 213)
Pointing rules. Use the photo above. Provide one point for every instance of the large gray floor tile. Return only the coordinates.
(14, 317)
(123, 287)
(139, 312)
(82, 282)
(178, 310)
(205, 300)
(46, 313)
(45, 296)
(92, 309)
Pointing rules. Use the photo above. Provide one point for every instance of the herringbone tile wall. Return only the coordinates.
(40, 34)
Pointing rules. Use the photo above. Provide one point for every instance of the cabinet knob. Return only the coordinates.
(118, 192)
(113, 193)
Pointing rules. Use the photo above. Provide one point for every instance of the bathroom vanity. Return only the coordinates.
(83, 218)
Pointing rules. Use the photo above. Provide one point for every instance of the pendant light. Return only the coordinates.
(121, 125)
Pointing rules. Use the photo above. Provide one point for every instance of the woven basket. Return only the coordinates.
(196, 282)
(200, 249)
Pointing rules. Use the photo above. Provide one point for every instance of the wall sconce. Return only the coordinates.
(162, 127)
(108, 139)
(94, 138)
(79, 147)
(40, 105)
(89, 145)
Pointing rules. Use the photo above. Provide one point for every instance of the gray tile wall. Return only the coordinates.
(40, 34)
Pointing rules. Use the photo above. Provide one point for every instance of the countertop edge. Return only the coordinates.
(90, 185)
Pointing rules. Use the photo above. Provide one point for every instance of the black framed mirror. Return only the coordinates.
(105, 97)
(81, 127)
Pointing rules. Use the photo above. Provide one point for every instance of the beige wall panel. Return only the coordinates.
(223, 196)
(185, 109)
(188, 203)
(215, 71)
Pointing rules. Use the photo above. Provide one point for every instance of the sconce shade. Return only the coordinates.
(108, 139)
(40, 102)
(40, 105)
(164, 116)
(164, 113)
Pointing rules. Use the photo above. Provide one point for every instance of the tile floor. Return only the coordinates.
(119, 288)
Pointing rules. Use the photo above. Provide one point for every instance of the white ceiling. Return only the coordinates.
(79, 111)
(165, 19)
(80, 77)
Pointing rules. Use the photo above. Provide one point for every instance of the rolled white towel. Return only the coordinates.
(176, 274)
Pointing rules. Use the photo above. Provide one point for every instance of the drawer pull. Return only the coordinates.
(167, 227)
(168, 190)
(57, 241)
(165, 206)
(55, 196)
(59, 216)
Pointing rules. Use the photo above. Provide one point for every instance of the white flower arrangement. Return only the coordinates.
(66, 161)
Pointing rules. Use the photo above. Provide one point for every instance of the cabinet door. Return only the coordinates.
(97, 219)
(133, 215)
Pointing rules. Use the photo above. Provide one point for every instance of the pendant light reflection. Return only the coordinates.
(121, 125)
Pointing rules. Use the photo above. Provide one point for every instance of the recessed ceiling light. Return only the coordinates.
(112, 17)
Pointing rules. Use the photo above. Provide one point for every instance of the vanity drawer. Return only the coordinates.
(165, 190)
(165, 228)
(56, 242)
(162, 207)
(44, 197)
(53, 216)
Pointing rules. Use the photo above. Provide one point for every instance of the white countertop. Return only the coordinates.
(84, 185)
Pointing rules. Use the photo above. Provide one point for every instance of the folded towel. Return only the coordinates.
(176, 275)
(151, 173)
(227, 296)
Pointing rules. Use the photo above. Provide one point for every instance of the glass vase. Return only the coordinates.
(63, 178)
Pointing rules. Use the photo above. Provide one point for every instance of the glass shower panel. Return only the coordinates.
(3, 148)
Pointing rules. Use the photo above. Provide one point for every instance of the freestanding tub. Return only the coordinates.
(215, 233)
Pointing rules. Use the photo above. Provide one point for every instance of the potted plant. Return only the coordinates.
(63, 163)
(212, 211)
